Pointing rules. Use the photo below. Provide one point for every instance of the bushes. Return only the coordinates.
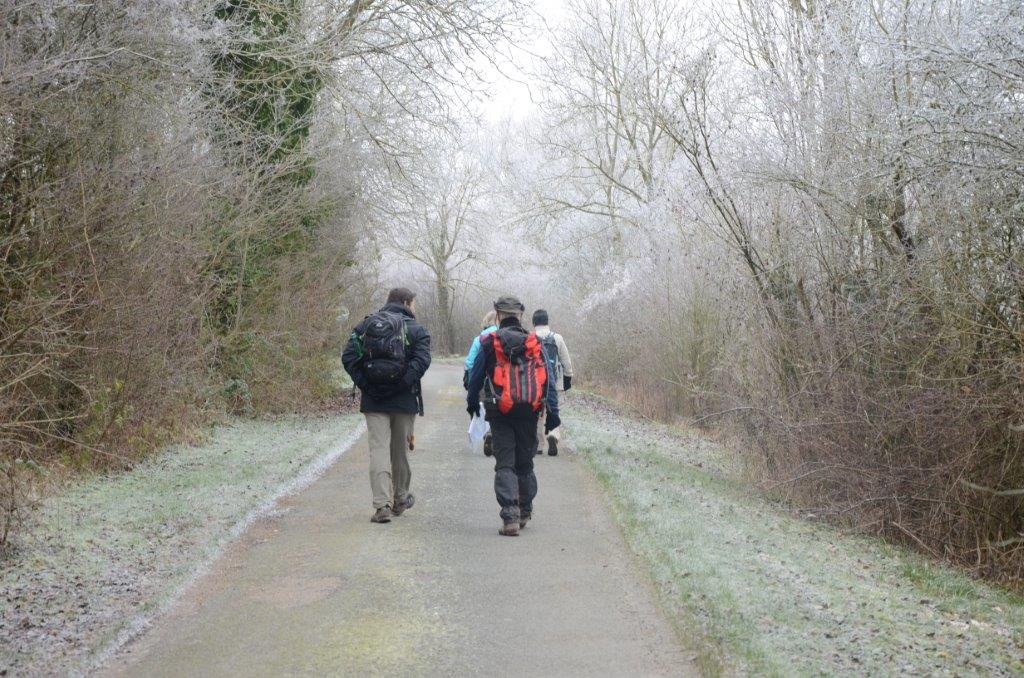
(662, 342)
(148, 275)
(98, 284)
(184, 192)
(899, 418)
(841, 184)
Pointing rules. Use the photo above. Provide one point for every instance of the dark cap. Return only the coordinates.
(509, 305)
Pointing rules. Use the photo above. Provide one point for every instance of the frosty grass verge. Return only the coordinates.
(760, 591)
(112, 553)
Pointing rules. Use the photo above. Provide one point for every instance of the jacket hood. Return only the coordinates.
(511, 333)
(398, 308)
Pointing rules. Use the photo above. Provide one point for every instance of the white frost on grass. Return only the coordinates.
(112, 553)
(772, 594)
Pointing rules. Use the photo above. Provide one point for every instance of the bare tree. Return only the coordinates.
(433, 219)
(611, 64)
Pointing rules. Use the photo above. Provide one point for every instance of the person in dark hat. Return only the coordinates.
(560, 364)
(517, 386)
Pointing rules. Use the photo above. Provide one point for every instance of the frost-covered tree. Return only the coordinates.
(825, 196)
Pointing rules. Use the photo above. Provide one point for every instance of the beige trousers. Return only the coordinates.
(388, 434)
(557, 433)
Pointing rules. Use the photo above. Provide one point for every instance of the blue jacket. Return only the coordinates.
(483, 364)
(474, 348)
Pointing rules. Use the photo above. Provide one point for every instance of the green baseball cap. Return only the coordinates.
(509, 304)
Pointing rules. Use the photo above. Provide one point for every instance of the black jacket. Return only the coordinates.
(407, 396)
(483, 368)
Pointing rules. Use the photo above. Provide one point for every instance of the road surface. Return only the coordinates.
(316, 589)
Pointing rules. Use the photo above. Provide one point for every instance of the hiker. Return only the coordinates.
(386, 356)
(560, 365)
(488, 325)
(474, 348)
(511, 371)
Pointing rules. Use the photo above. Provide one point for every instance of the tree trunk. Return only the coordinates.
(445, 330)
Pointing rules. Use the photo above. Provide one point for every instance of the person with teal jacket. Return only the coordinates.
(489, 326)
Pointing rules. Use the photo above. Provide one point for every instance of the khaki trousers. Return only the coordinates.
(388, 435)
(557, 433)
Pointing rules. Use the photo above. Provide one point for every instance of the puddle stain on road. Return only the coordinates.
(296, 591)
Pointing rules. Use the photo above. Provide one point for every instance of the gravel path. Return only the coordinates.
(317, 589)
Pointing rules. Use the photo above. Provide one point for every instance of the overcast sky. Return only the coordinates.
(511, 92)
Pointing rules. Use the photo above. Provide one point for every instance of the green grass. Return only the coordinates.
(761, 591)
(111, 547)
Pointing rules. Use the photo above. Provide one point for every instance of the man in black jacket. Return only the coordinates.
(514, 433)
(391, 398)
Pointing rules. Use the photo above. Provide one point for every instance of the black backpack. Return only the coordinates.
(384, 342)
(550, 348)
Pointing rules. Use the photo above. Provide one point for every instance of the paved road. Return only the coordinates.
(318, 589)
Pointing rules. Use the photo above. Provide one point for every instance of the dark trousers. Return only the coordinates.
(515, 444)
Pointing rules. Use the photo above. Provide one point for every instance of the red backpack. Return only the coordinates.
(519, 375)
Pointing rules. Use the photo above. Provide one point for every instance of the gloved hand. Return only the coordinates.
(409, 379)
(551, 422)
(566, 383)
(472, 410)
(465, 380)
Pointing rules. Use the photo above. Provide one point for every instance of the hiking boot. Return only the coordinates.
(509, 530)
(523, 519)
(488, 446)
(401, 506)
(383, 515)
(552, 446)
